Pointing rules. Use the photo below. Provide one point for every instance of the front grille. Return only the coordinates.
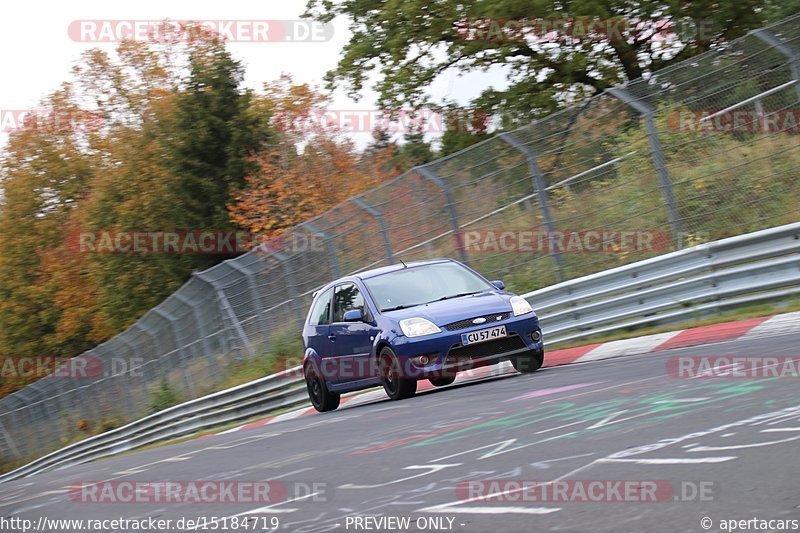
(466, 353)
(467, 323)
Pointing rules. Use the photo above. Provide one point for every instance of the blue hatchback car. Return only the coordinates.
(396, 325)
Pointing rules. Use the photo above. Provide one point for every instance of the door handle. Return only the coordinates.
(332, 337)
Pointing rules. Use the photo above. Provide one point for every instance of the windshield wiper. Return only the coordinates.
(457, 295)
(398, 307)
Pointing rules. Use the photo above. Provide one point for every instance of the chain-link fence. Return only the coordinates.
(702, 150)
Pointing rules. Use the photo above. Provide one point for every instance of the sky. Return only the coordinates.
(41, 43)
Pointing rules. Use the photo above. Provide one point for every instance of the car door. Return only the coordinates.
(351, 342)
(318, 325)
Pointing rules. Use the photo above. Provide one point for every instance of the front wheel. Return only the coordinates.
(396, 386)
(321, 398)
(528, 363)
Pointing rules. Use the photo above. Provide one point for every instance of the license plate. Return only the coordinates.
(483, 335)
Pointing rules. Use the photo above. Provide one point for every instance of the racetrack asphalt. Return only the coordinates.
(722, 448)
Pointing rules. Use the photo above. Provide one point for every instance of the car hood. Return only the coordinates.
(447, 311)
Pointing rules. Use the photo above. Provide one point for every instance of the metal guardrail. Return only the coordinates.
(266, 395)
(759, 266)
(703, 279)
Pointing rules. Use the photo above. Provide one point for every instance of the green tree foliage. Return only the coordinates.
(776, 10)
(407, 44)
(415, 150)
(462, 128)
(212, 136)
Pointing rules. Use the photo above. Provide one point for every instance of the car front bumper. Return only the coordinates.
(448, 355)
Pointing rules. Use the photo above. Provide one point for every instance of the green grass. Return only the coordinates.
(285, 351)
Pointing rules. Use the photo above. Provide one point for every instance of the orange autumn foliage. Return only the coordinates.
(294, 184)
(292, 187)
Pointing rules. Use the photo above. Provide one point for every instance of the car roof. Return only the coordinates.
(366, 274)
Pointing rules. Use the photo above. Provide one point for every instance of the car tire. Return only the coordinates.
(396, 387)
(442, 381)
(528, 363)
(321, 398)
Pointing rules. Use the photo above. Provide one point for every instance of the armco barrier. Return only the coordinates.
(269, 394)
(748, 268)
(759, 266)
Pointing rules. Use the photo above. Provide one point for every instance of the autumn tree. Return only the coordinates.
(174, 139)
(45, 172)
(183, 147)
(307, 169)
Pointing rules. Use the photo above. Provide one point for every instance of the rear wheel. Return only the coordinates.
(528, 363)
(396, 386)
(321, 398)
(442, 381)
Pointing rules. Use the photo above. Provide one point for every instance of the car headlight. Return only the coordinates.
(520, 305)
(417, 327)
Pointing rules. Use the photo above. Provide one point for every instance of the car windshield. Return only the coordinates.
(424, 284)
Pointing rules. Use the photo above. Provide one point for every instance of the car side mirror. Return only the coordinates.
(499, 284)
(353, 315)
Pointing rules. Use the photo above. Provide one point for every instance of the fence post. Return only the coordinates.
(227, 311)
(290, 283)
(22, 414)
(329, 247)
(657, 153)
(794, 56)
(58, 388)
(179, 346)
(540, 188)
(203, 331)
(14, 409)
(92, 411)
(33, 443)
(158, 343)
(38, 415)
(387, 244)
(9, 441)
(128, 375)
(450, 206)
(251, 284)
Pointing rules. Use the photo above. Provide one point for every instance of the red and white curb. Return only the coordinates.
(752, 328)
